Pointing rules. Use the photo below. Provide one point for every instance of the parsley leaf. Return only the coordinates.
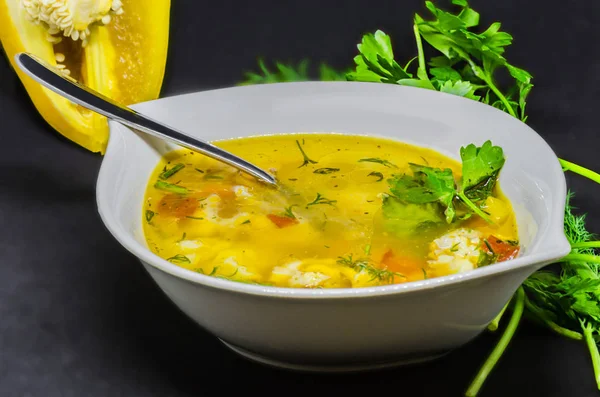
(403, 219)
(428, 185)
(375, 62)
(460, 88)
(480, 169)
(445, 73)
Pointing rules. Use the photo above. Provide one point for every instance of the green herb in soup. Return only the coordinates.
(365, 212)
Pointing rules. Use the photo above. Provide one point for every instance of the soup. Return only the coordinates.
(353, 211)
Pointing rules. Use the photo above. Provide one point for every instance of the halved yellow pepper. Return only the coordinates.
(117, 48)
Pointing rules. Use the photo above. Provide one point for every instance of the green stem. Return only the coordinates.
(522, 106)
(409, 63)
(577, 169)
(488, 80)
(473, 207)
(422, 73)
(500, 96)
(581, 258)
(493, 326)
(169, 187)
(593, 348)
(500, 347)
(586, 244)
(567, 333)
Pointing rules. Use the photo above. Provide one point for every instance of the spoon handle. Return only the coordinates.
(51, 78)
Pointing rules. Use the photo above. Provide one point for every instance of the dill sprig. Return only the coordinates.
(179, 259)
(385, 163)
(288, 212)
(307, 160)
(230, 277)
(325, 171)
(289, 73)
(575, 229)
(361, 265)
(379, 175)
(320, 199)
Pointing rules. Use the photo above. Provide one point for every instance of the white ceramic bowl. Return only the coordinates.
(342, 329)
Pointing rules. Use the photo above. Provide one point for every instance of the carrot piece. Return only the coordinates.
(400, 264)
(223, 192)
(387, 257)
(177, 205)
(504, 250)
(282, 221)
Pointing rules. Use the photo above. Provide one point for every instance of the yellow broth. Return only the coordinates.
(326, 229)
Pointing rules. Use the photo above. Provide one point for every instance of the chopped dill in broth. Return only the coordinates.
(356, 211)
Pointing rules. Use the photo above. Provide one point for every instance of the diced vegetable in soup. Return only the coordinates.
(354, 211)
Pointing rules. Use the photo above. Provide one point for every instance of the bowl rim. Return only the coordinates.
(560, 248)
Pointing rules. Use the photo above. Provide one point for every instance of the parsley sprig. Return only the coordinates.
(475, 57)
(480, 169)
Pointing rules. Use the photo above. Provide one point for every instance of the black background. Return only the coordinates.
(80, 317)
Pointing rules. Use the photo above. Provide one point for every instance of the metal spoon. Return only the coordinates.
(51, 78)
